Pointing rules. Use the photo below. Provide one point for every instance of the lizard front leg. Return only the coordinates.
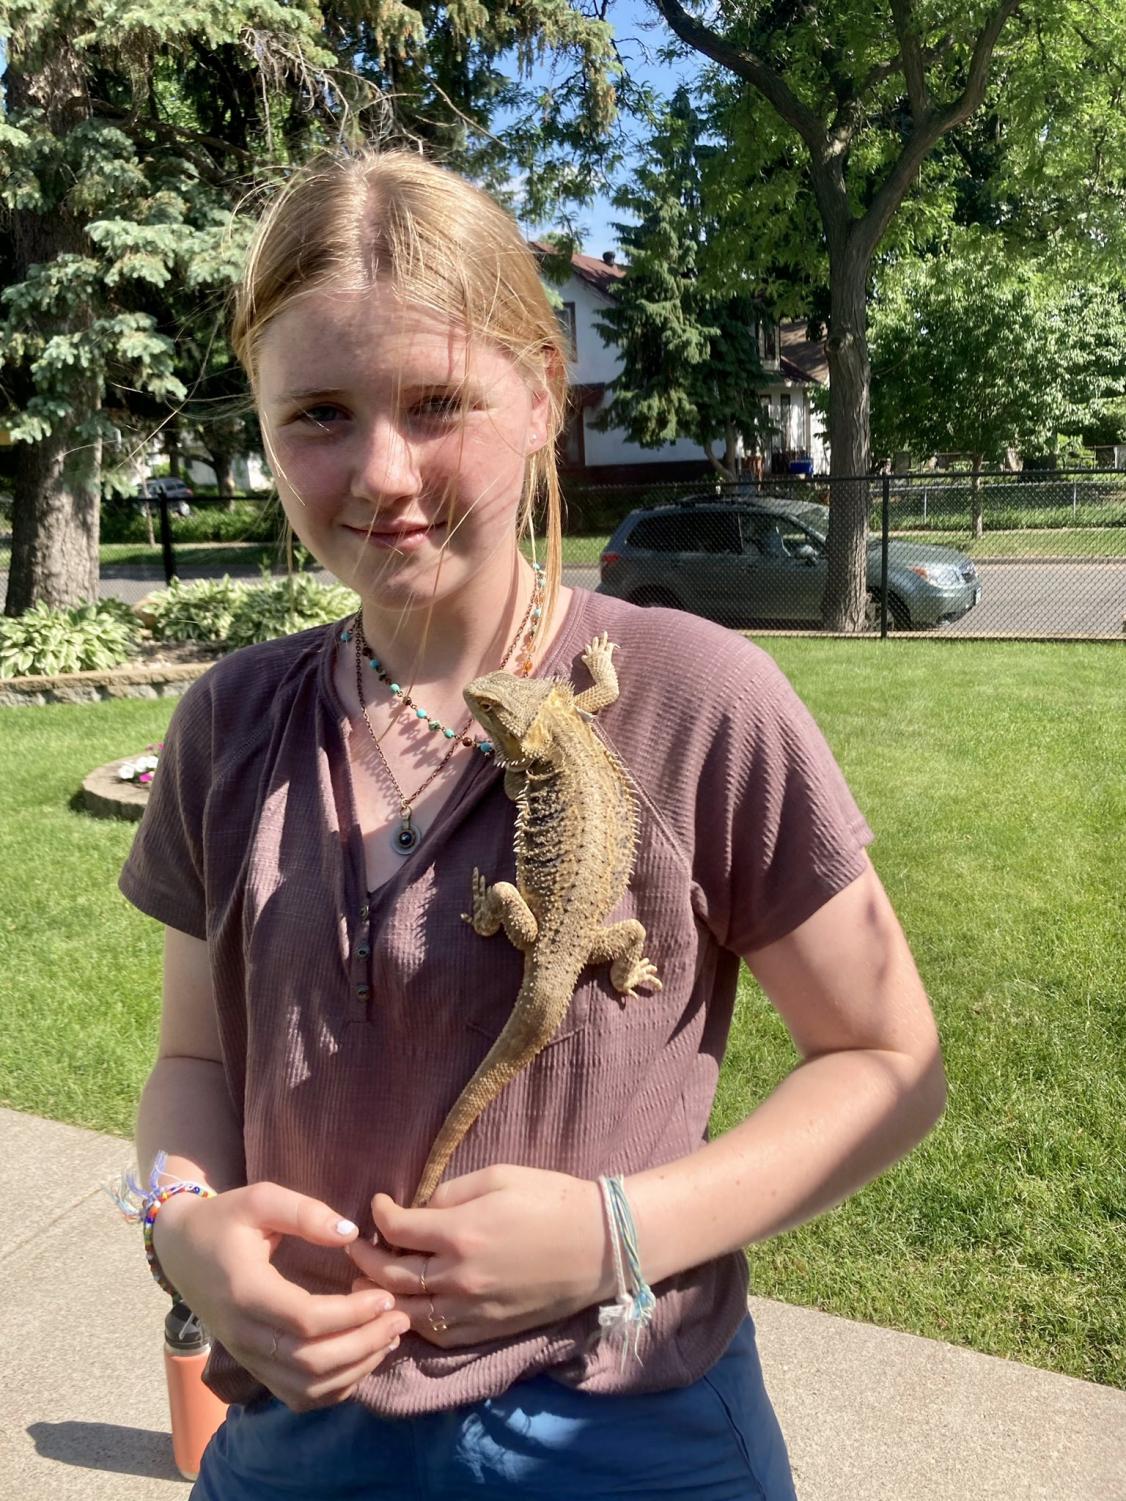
(500, 906)
(621, 946)
(598, 660)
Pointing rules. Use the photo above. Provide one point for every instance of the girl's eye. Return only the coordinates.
(438, 407)
(320, 416)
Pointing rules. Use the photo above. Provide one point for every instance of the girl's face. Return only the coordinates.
(398, 443)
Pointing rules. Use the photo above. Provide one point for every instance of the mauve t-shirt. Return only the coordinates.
(350, 1021)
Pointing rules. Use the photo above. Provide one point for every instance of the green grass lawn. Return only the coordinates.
(992, 777)
(1050, 542)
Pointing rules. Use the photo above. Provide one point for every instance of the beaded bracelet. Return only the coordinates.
(151, 1212)
(623, 1321)
(142, 1205)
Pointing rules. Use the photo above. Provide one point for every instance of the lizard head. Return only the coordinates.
(509, 709)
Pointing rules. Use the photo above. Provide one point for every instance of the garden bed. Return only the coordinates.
(162, 669)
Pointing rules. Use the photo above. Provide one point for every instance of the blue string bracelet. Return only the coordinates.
(623, 1321)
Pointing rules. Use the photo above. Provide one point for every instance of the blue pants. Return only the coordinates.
(717, 1440)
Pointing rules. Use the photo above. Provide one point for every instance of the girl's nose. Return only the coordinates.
(386, 467)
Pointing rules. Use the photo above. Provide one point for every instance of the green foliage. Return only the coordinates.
(980, 350)
(85, 638)
(244, 521)
(223, 612)
(689, 356)
(278, 607)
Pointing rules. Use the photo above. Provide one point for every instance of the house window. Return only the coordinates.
(566, 317)
(784, 420)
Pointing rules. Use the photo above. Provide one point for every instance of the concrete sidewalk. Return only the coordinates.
(870, 1415)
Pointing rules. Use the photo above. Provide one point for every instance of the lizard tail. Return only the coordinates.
(520, 1041)
(480, 1092)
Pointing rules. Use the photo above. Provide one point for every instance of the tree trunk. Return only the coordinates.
(57, 480)
(843, 605)
(717, 464)
(222, 461)
(978, 523)
(172, 448)
(55, 516)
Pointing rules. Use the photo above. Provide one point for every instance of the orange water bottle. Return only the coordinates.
(195, 1409)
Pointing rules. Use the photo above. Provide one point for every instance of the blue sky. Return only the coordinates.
(641, 32)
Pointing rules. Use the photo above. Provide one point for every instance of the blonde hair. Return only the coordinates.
(441, 244)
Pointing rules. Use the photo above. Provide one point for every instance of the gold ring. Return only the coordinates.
(274, 1347)
(437, 1323)
(422, 1277)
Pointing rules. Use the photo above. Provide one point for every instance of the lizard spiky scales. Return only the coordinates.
(576, 833)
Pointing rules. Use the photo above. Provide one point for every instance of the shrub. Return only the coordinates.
(222, 612)
(279, 607)
(84, 638)
(199, 611)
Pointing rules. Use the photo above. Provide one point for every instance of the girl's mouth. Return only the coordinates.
(405, 537)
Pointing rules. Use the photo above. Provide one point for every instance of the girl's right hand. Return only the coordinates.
(309, 1350)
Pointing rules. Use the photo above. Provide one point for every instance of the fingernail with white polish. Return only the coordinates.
(394, 1345)
(387, 1305)
(345, 1227)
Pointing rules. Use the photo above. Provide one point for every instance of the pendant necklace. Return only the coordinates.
(407, 836)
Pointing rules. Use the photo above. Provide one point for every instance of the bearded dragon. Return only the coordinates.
(576, 831)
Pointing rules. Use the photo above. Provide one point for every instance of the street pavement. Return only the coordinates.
(1053, 599)
(869, 1414)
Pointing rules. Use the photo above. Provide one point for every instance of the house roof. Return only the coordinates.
(589, 268)
(800, 359)
(806, 358)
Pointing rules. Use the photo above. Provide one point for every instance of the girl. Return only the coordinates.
(322, 807)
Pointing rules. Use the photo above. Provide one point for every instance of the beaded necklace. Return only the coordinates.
(408, 837)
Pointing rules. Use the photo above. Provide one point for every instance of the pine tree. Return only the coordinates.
(689, 354)
(132, 140)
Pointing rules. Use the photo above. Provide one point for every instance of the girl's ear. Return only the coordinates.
(554, 379)
(539, 420)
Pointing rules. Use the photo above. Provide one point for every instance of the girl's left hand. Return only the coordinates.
(501, 1250)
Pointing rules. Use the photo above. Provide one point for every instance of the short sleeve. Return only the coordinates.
(778, 832)
(164, 874)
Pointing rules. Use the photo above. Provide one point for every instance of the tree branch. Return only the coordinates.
(912, 56)
(930, 128)
(749, 66)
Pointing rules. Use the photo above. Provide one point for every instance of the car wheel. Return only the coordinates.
(898, 618)
(652, 594)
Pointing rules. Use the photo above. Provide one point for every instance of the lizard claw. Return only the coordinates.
(641, 972)
(600, 650)
(484, 921)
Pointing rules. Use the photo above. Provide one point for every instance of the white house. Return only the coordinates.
(793, 367)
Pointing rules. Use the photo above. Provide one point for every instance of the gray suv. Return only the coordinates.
(746, 562)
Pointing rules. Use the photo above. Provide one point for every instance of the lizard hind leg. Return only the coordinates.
(621, 945)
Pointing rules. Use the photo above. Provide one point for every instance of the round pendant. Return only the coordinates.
(406, 838)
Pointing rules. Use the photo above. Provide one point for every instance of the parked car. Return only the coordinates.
(178, 493)
(755, 562)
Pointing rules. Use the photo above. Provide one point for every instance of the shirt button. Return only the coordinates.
(363, 991)
(363, 951)
(364, 910)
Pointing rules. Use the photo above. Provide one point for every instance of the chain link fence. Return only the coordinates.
(1033, 554)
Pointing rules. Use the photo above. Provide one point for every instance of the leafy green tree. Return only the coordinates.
(978, 352)
(689, 355)
(131, 140)
(841, 110)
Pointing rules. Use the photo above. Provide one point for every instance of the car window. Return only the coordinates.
(708, 531)
(718, 532)
(779, 537)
